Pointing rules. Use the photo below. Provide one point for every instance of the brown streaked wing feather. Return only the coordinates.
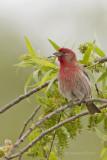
(82, 86)
(84, 71)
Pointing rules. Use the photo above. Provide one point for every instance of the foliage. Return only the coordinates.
(6, 148)
(45, 69)
(103, 137)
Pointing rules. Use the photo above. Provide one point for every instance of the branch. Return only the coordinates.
(96, 87)
(102, 60)
(22, 97)
(26, 124)
(55, 127)
(29, 119)
(21, 139)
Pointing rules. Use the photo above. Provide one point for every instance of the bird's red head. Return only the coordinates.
(65, 50)
(66, 56)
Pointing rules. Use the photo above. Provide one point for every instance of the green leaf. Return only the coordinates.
(30, 48)
(44, 62)
(103, 76)
(99, 118)
(50, 84)
(87, 53)
(53, 156)
(28, 81)
(2, 153)
(55, 46)
(46, 77)
(99, 51)
(39, 61)
(23, 64)
(36, 75)
(103, 152)
(49, 75)
(100, 134)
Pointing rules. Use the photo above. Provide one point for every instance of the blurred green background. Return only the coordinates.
(68, 22)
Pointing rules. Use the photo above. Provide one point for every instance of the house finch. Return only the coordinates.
(73, 82)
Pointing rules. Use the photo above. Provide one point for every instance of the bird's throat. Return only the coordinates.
(68, 70)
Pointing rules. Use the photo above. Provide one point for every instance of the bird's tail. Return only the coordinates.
(92, 108)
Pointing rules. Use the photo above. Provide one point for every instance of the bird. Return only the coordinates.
(73, 81)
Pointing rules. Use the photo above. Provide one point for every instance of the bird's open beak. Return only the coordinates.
(58, 54)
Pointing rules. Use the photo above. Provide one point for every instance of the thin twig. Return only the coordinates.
(28, 120)
(52, 114)
(53, 138)
(22, 97)
(96, 87)
(53, 128)
(102, 60)
(98, 61)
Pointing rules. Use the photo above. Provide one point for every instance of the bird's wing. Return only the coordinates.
(82, 87)
(84, 71)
